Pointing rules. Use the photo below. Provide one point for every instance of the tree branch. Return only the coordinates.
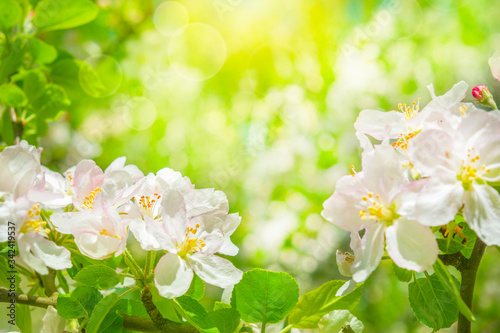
(162, 324)
(129, 322)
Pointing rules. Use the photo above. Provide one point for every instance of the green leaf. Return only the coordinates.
(219, 305)
(55, 15)
(264, 296)
(62, 281)
(42, 52)
(34, 83)
(195, 314)
(13, 58)
(10, 13)
(336, 320)
(79, 303)
(448, 282)
(318, 302)
(23, 318)
(12, 96)
(52, 102)
(131, 307)
(7, 128)
(99, 316)
(226, 320)
(197, 288)
(402, 274)
(470, 237)
(100, 276)
(432, 303)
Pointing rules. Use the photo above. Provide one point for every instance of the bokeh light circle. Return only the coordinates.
(169, 17)
(197, 52)
(139, 113)
(100, 76)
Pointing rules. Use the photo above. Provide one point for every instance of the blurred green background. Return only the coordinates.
(258, 99)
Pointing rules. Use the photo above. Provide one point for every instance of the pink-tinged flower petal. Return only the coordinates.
(494, 63)
(172, 276)
(436, 152)
(88, 176)
(369, 253)
(433, 202)
(482, 212)
(214, 270)
(342, 209)
(173, 213)
(380, 124)
(411, 245)
(151, 235)
(19, 166)
(383, 172)
(64, 222)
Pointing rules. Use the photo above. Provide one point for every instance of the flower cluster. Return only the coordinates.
(96, 209)
(420, 168)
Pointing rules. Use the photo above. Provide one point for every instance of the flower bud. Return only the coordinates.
(479, 92)
(344, 263)
(483, 96)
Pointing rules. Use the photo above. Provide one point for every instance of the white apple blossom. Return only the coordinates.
(458, 166)
(191, 243)
(35, 249)
(371, 200)
(399, 127)
(19, 167)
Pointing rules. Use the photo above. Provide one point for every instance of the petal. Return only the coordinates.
(346, 288)
(174, 214)
(436, 152)
(24, 245)
(96, 246)
(151, 235)
(482, 212)
(172, 276)
(380, 124)
(206, 201)
(54, 256)
(343, 207)
(369, 253)
(214, 270)
(494, 63)
(432, 202)
(411, 245)
(52, 322)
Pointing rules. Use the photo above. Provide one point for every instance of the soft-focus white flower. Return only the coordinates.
(459, 164)
(19, 166)
(371, 200)
(344, 263)
(31, 235)
(191, 243)
(52, 322)
(494, 63)
(98, 236)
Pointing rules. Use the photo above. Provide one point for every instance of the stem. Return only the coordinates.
(134, 268)
(150, 262)
(162, 324)
(286, 329)
(469, 272)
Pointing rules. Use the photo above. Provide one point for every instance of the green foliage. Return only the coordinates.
(102, 318)
(12, 96)
(80, 303)
(402, 274)
(100, 276)
(264, 296)
(449, 282)
(315, 304)
(23, 318)
(195, 314)
(432, 303)
(57, 14)
(226, 320)
(10, 13)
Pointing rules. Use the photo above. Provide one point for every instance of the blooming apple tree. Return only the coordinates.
(427, 194)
